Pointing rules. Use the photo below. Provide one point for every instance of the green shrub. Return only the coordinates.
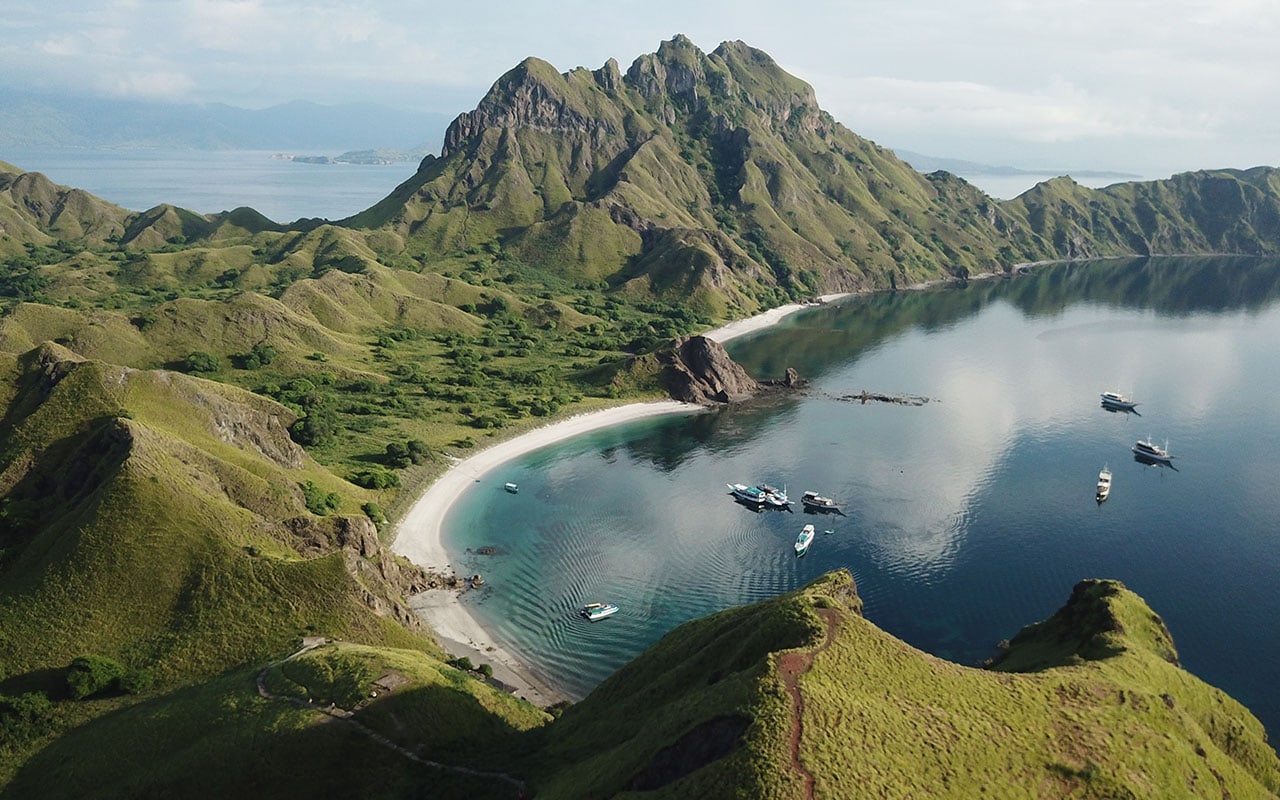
(200, 361)
(374, 512)
(136, 681)
(90, 675)
(418, 451)
(260, 355)
(376, 478)
(318, 427)
(398, 455)
(485, 670)
(463, 664)
(24, 717)
(318, 501)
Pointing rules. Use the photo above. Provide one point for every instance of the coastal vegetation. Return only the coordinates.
(207, 421)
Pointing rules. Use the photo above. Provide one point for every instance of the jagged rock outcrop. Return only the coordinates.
(696, 369)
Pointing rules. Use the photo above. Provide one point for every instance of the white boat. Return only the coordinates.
(774, 497)
(1117, 400)
(1149, 450)
(804, 540)
(816, 502)
(747, 494)
(511, 487)
(1104, 484)
(595, 611)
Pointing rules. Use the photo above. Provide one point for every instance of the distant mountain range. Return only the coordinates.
(366, 133)
(47, 120)
(962, 167)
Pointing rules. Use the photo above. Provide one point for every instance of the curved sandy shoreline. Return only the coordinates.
(761, 321)
(418, 534)
(418, 538)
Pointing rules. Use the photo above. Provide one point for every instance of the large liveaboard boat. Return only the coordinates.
(747, 494)
(1117, 400)
(1147, 449)
(1104, 485)
(816, 502)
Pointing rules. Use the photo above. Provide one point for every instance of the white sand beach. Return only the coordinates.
(418, 538)
(762, 321)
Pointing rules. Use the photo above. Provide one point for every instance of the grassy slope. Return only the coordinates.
(220, 739)
(1120, 721)
(157, 519)
(1124, 722)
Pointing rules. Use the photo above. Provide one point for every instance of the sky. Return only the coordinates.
(1145, 87)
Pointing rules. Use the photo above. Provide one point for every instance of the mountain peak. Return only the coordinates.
(533, 94)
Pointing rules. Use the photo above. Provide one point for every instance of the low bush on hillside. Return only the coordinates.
(318, 501)
(94, 675)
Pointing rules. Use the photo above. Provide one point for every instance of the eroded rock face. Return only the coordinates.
(698, 370)
(532, 95)
(383, 578)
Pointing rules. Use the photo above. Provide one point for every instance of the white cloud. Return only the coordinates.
(152, 85)
(1188, 78)
(1060, 111)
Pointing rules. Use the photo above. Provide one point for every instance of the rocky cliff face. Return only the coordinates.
(696, 369)
(379, 578)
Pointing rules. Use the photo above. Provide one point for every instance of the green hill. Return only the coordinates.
(798, 696)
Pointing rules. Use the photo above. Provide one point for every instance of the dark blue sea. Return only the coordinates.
(966, 517)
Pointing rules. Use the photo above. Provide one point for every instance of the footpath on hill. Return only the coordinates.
(792, 665)
(348, 716)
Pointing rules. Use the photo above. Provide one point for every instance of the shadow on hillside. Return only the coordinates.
(221, 740)
(52, 682)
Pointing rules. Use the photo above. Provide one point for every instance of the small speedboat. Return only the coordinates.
(804, 540)
(1104, 485)
(595, 611)
(511, 487)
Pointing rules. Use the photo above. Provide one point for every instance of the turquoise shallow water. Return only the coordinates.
(966, 517)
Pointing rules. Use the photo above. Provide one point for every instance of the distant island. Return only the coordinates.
(925, 163)
(45, 120)
(380, 156)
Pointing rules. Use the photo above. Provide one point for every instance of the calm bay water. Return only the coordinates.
(966, 517)
(209, 181)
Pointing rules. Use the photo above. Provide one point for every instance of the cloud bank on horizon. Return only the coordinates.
(1141, 85)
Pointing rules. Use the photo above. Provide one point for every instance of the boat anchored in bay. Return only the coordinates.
(1117, 400)
(1104, 485)
(804, 540)
(751, 495)
(596, 611)
(1147, 450)
(815, 502)
(774, 497)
